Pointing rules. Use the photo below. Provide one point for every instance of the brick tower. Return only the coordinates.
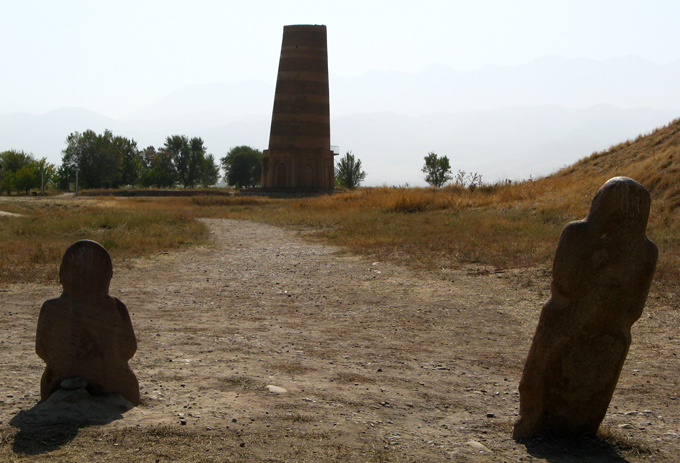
(299, 154)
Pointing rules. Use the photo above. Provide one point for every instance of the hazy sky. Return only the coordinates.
(114, 57)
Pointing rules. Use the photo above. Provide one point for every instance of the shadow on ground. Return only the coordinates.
(584, 449)
(56, 421)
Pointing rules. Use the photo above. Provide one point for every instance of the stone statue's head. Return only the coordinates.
(621, 206)
(86, 269)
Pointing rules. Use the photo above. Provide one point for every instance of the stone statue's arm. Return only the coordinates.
(637, 292)
(566, 264)
(647, 266)
(653, 255)
(128, 341)
(43, 330)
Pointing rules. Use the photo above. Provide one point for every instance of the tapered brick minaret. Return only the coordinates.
(299, 154)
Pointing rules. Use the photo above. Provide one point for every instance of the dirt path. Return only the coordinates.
(9, 214)
(379, 363)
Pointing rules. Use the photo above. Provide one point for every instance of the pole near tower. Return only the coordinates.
(299, 155)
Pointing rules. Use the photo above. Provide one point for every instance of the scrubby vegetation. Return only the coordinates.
(31, 246)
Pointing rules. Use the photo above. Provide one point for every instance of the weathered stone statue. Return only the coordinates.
(85, 333)
(601, 276)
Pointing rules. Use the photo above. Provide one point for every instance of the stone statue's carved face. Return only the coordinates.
(621, 206)
(86, 269)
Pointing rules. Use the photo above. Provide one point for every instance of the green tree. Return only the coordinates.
(27, 177)
(13, 160)
(210, 173)
(348, 172)
(158, 168)
(130, 160)
(438, 170)
(49, 173)
(242, 166)
(177, 147)
(64, 176)
(22, 172)
(201, 169)
(102, 161)
(193, 164)
(81, 153)
(7, 182)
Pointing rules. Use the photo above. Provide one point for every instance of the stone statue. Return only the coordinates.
(602, 272)
(85, 333)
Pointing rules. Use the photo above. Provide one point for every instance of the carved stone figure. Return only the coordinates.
(85, 332)
(602, 272)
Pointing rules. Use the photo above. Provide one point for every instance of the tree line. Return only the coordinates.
(111, 161)
(108, 161)
(22, 172)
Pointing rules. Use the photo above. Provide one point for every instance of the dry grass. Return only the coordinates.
(239, 383)
(623, 443)
(422, 227)
(654, 161)
(31, 247)
(500, 226)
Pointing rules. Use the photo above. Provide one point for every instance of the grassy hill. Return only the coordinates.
(653, 160)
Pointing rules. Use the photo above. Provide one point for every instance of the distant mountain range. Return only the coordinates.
(502, 122)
